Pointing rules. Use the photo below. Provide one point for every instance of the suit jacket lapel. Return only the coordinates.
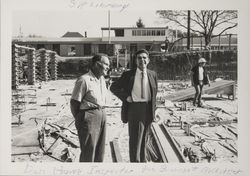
(131, 80)
(151, 80)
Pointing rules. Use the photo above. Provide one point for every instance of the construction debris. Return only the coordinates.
(191, 155)
(67, 155)
(184, 133)
(229, 147)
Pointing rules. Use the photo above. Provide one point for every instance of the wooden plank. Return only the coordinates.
(219, 87)
(223, 136)
(228, 147)
(54, 125)
(165, 145)
(157, 140)
(222, 122)
(173, 144)
(66, 94)
(48, 104)
(53, 145)
(72, 142)
(116, 152)
(233, 131)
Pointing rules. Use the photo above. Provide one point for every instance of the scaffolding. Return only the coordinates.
(18, 101)
(37, 65)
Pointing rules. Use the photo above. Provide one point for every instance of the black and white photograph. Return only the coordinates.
(97, 87)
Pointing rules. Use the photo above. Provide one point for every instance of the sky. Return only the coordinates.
(56, 23)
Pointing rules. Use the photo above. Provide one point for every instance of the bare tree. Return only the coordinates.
(206, 23)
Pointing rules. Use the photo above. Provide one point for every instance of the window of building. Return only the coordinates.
(143, 32)
(39, 46)
(149, 32)
(162, 32)
(138, 33)
(72, 51)
(133, 32)
(119, 32)
(158, 32)
(87, 49)
(102, 48)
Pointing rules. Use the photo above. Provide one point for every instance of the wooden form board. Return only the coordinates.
(164, 145)
(116, 152)
(219, 87)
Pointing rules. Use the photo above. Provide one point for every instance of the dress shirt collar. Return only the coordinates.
(138, 71)
(93, 77)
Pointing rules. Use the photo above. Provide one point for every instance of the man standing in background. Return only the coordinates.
(137, 90)
(199, 78)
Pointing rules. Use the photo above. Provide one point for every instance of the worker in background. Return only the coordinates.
(87, 106)
(137, 89)
(199, 78)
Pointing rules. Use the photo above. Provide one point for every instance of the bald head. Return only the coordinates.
(100, 64)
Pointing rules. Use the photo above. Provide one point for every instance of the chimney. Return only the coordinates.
(85, 34)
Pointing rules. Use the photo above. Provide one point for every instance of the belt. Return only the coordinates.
(93, 108)
(142, 102)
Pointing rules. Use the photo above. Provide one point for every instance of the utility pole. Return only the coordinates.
(188, 31)
(230, 37)
(109, 25)
(20, 31)
(176, 34)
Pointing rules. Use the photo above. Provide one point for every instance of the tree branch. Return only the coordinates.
(203, 22)
(213, 22)
(230, 27)
(225, 21)
(197, 21)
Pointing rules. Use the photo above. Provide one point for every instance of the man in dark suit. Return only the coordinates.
(137, 90)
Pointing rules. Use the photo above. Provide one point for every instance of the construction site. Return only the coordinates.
(43, 128)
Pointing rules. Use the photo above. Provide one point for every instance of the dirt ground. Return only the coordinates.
(31, 116)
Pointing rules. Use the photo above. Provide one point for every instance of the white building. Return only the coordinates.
(129, 38)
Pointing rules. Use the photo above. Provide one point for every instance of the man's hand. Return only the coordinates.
(74, 107)
(129, 99)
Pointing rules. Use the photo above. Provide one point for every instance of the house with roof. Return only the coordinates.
(122, 41)
(72, 34)
(125, 38)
